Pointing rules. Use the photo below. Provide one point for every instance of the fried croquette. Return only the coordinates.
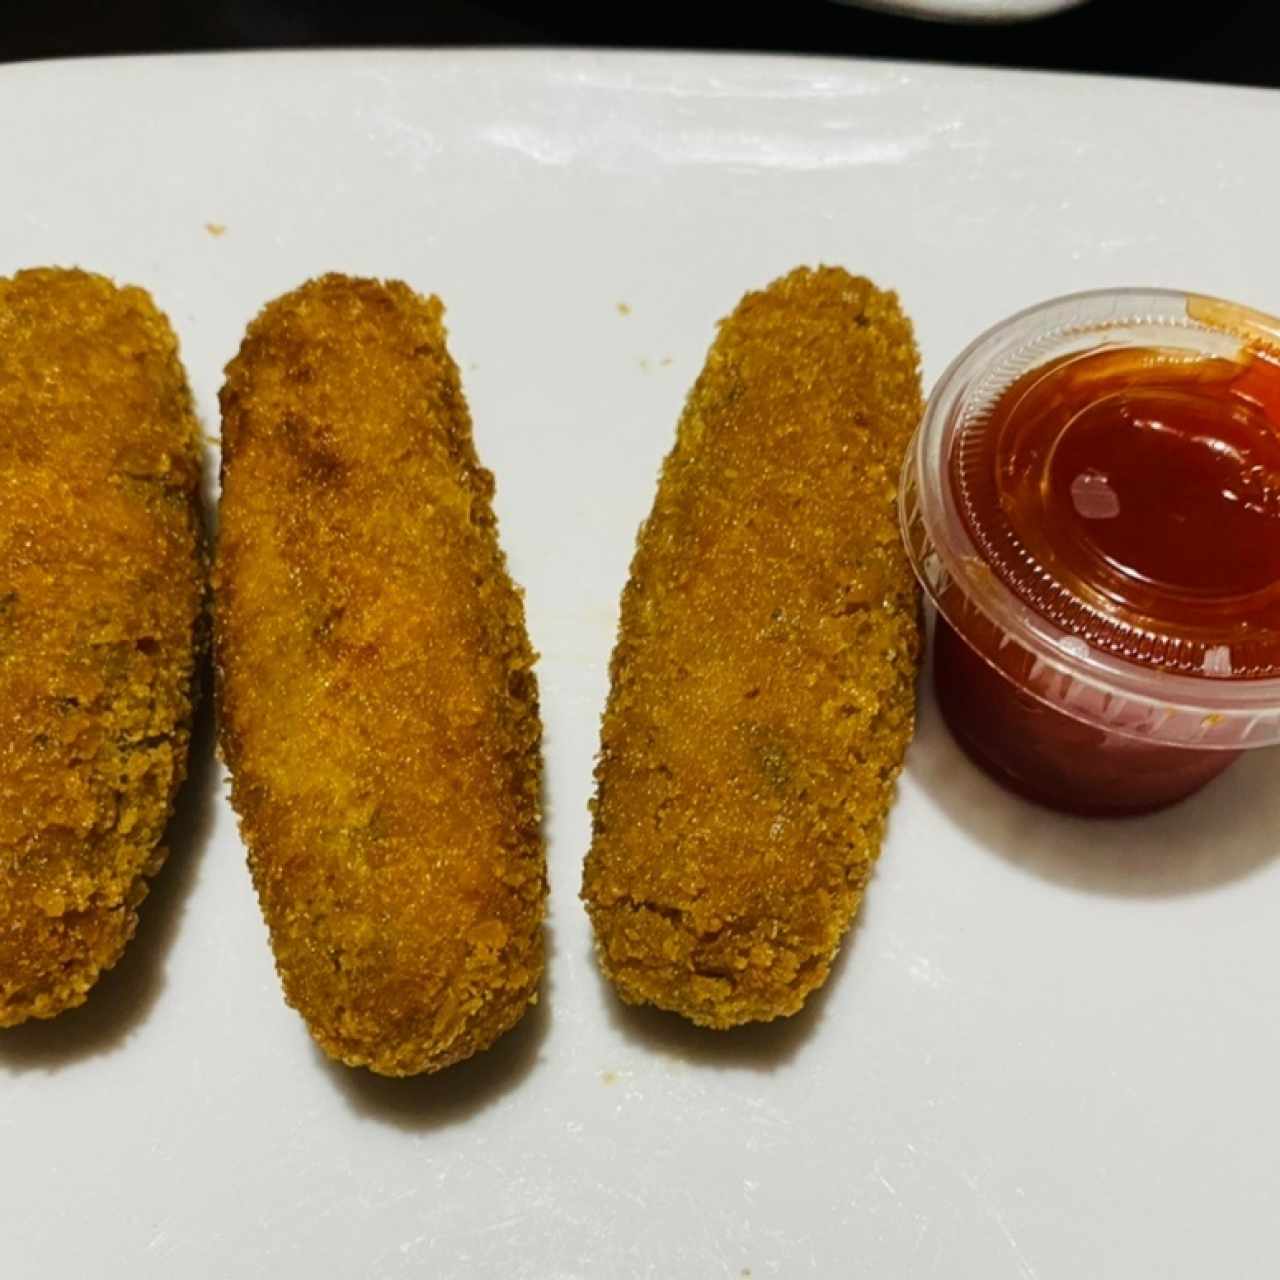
(378, 706)
(102, 581)
(763, 680)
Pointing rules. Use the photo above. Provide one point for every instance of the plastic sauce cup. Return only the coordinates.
(1061, 719)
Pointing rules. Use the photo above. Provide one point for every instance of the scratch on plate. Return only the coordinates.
(503, 1224)
(617, 142)
(924, 971)
(992, 1210)
(799, 88)
(543, 145)
(405, 139)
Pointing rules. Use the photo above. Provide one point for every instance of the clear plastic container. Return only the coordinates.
(1066, 721)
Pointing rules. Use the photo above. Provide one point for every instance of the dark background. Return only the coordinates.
(1236, 43)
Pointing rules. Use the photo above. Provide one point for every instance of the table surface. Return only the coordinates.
(1229, 42)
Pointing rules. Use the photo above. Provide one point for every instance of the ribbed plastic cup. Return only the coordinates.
(1066, 722)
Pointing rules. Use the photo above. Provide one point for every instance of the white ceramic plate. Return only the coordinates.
(1050, 1051)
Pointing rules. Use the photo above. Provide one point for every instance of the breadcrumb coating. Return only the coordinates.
(763, 681)
(102, 580)
(378, 707)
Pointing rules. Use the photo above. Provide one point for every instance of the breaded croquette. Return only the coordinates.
(763, 681)
(102, 580)
(379, 711)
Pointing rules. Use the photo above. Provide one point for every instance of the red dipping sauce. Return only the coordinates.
(1100, 530)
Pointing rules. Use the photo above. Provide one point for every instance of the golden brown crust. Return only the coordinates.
(763, 680)
(378, 707)
(101, 593)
